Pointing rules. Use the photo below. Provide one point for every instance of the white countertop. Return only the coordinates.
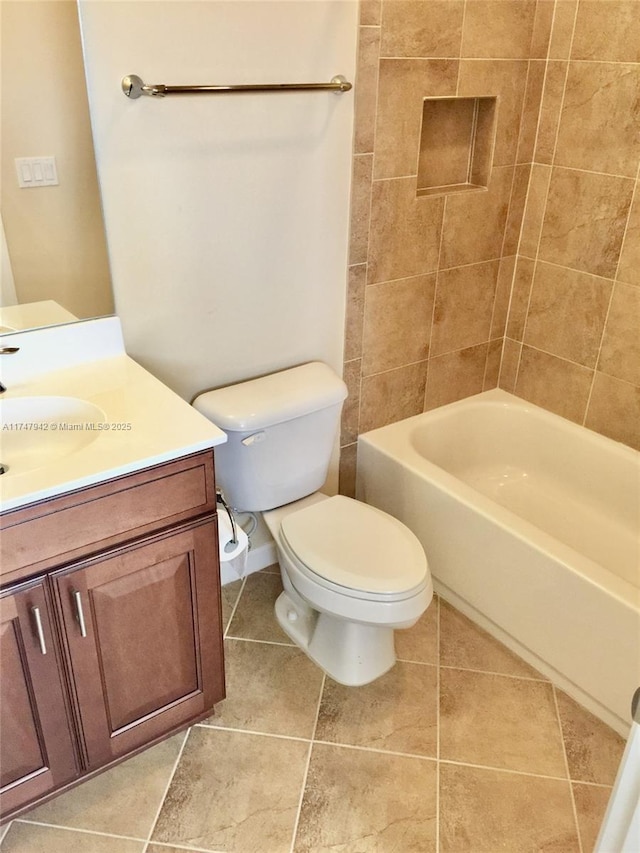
(145, 423)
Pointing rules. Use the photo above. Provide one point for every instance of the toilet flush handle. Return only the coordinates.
(254, 439)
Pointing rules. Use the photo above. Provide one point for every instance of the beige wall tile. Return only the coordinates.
(519, 189)
(534, 210)
(614, 410)
(541, 35)
(474, 223)
(629, 269)
(403, 85)
(366, 89)
(609, 31)
(503, 296)
(584, 221)
(397, 323)
(552, 95)
(370, 13)
(521, 293)
(455, 375)
(492, 368)
(508, 81)
(620, 355)
(446, 140)
(562, 31)
(356, 800)
(509, 366)
(499, 29)
(483, 811)
(392, 396)
(463, 307)
(348, 470)
(567, 312)
(531, 110)
(554, 384)
(405, 231)
(600, 121)
(354, 316)
(351, 374)
(360, 208)
(422, 28)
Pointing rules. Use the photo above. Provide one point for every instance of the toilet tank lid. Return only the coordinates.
(268, 400)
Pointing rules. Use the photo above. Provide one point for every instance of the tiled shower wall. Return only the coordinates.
(573, 336)
(430, 302)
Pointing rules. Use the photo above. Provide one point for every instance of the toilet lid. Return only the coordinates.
(356, 546)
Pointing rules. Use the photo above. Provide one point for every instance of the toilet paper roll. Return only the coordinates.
(234, 553)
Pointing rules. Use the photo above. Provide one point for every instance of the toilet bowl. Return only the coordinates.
(351, 574)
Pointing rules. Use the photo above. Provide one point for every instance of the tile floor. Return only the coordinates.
(461, 747)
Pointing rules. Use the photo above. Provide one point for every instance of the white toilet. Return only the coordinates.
(351, 573)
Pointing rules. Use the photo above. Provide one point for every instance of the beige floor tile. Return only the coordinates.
(122, 801)
(498, 721)
(273, 689)
(31, 838)
(420, 643)
(235, 792)
(483, 811)
(591, 803)
(254, 618)
(229, 593)
(358, 801)
(593, 749)
(465, 645)
(397, 712)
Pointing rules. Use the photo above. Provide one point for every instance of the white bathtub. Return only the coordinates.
(531, 527)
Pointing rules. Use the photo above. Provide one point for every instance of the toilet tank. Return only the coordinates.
(280, 433)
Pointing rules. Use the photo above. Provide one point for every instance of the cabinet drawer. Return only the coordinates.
(55, 531)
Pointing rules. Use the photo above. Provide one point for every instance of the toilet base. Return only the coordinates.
(350, 652)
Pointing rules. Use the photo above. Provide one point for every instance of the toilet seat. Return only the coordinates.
(355, 549)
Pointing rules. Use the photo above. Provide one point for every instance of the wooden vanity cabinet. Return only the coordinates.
(36, 731)
(132, 634)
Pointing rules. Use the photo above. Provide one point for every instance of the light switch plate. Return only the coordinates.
(36, 172)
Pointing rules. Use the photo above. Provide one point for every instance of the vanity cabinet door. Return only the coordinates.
(36, 742)
(144, 639)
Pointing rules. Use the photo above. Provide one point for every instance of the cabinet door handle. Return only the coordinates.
(79, 612)
(39, 630)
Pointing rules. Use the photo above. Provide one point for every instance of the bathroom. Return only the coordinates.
(234, 252)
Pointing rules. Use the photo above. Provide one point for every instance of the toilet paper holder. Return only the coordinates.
(234, 531)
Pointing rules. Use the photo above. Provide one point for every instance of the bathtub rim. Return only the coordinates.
(384, 439)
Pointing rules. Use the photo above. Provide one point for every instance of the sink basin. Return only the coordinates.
(36, 431)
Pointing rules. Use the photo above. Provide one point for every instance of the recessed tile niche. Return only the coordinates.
(456, 144)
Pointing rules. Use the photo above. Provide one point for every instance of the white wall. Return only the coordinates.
(226, 216)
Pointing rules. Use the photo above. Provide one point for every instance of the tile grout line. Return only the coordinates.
(566, 765)
(615, 281)
(253, 732)
(78, 830)
(265, 642)
(166, 790)
(308, 764)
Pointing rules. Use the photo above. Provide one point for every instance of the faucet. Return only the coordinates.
(6, 351)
